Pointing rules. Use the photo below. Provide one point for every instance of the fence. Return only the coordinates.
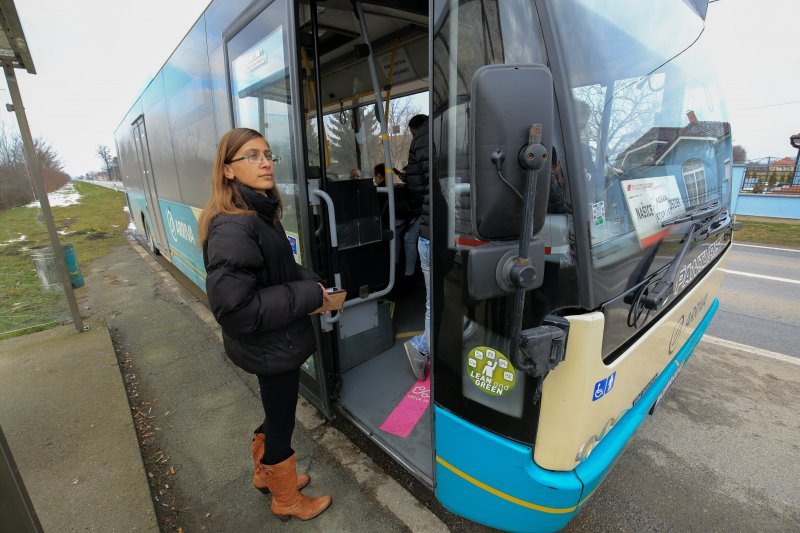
(776, 177)
(758, 190)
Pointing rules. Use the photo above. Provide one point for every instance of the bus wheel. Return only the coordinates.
(151, 244)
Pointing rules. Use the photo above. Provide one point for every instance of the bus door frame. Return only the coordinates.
(316, 388)
(155, 231)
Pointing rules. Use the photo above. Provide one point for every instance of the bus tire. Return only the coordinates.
(151, 244)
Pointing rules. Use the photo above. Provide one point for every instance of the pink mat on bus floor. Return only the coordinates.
(404, 418)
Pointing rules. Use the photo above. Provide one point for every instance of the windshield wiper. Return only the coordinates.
(705, 223)
(701, 212)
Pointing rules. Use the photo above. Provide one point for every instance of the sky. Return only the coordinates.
(93, 57)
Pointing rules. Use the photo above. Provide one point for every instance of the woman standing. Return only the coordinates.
(262, 300)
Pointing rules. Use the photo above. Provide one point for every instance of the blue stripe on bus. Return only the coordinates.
(492, 480)
(599, 463)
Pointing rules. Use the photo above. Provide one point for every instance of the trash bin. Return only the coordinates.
(45, 262)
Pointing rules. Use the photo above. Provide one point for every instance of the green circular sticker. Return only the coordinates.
(491, 371)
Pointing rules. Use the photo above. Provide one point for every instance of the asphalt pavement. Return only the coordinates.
(759, 299)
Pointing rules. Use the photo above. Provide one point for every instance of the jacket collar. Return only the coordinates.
(263, 205)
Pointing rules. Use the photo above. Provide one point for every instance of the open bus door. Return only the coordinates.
(261, 61)
(349, 125)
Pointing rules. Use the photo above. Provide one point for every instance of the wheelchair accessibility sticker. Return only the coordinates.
(603, 387)
(491, 371)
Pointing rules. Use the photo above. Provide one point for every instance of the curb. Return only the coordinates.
(388, 492)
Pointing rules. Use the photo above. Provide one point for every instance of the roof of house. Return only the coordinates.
(786, 161)
(668, 137)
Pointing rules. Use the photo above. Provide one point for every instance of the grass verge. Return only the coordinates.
(777, 232)
(93, 226)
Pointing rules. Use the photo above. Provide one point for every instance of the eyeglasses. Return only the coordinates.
(257, 159)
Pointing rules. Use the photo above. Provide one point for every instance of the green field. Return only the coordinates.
(93, 227)
(775, 231)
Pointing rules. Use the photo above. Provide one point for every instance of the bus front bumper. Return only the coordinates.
(494, 481)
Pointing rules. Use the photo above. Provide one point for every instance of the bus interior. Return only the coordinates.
(384, 307)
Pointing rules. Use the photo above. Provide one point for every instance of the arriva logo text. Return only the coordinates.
(179, 229)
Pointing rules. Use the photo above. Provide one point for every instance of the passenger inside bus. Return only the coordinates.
(417, 178)
(404, 248)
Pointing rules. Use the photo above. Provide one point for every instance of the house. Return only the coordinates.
(782, 165)
(680, 151)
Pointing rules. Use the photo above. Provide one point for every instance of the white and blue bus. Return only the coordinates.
(580, 176)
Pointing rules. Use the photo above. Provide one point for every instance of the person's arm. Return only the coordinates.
(238, 303)
(307, 273)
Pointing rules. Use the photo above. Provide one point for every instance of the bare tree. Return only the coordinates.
(739, 154)
(104, 153)
(15, 185)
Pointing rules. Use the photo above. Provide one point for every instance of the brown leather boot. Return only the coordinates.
(287, 501)
(259, 469)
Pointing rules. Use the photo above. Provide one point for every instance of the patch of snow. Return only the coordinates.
(125, 209)
(131, 226)
(20, 238)
(66, 195)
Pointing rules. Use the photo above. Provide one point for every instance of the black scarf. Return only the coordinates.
(265, 206)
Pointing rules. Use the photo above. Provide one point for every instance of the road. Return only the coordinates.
(759, 299)
(721, 452)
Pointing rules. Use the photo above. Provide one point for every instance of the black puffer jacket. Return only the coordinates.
(418, 175)
(257, 292)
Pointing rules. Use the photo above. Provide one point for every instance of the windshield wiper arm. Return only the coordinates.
(663, 289)
(705, 223)
(702, 212)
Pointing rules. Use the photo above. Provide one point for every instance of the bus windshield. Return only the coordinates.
(654, 141)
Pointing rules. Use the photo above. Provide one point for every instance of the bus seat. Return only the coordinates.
(363, 250)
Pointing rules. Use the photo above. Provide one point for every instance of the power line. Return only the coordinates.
(768, 105)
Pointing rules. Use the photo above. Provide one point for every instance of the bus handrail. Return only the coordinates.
(337, 276)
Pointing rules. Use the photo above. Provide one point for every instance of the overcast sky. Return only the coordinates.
(93, 57)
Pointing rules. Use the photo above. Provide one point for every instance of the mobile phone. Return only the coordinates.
(333, 290)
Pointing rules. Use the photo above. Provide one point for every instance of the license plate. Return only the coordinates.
(666, 389)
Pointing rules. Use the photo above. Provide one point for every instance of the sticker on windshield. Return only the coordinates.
(651, 200)
(598, 213)
(491, 371)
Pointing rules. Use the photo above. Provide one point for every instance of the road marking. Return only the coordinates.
(760, 276)
(751, 349)
(766, 247)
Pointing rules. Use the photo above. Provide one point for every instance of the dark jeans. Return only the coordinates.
(279, 397)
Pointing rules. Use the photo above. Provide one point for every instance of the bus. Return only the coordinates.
(579, 191)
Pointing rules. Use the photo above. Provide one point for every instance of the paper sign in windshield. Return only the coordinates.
(651, 200)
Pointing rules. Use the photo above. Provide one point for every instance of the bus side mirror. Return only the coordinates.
(506, 101)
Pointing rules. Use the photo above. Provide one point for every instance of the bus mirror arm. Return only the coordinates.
(532, 157)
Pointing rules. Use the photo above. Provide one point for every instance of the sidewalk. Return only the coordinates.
(67, 421)
(66, 416)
